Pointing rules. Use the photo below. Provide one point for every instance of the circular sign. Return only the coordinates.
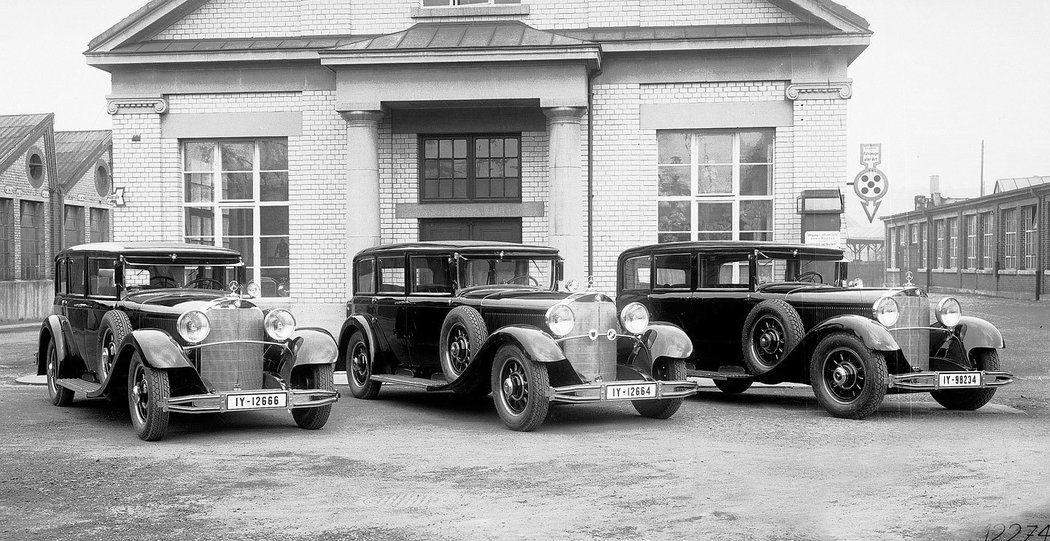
(870, 184)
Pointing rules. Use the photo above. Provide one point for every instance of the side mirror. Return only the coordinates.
(559, 271)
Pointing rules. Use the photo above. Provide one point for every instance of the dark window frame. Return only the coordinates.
(357, 276)
(414, 288)
(471, 158)
(7, 238)
(32, 266)
(691, 282)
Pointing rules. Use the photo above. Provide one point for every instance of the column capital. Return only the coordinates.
(796, 91)
(564, 114)
(129, 104)
(361, 118)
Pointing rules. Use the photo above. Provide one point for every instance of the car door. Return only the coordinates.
(429, 296)
(671, 290)
(77, 307)
(100, 298)
(391, 305)
(722, 301)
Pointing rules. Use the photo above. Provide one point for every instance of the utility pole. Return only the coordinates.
(982, 167)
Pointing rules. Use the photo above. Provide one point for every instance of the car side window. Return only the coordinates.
(672, 271)
(718, 273)
(430, 274)
(77, 268)
(392, 275)
(364, 277)
(636, 273)
(62, 277)
(101, 278)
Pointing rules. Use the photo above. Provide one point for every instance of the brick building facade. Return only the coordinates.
(997, 244)
(302, 131)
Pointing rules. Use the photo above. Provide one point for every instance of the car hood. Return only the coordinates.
(816, 293)
(178, 300)
(526, 299)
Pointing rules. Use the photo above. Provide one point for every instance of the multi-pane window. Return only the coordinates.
(953, 243)
(902, 243)
(469, 168)
(72, 226)
(971, 241)
(1028, 242)
(715, 184)
(236, 195)
(987, 241)
(7, 239)
(894, 254)
(922, 246)
(443, 3)
(939, 243)
(31, 225)
(1010, 238)
(99, 225)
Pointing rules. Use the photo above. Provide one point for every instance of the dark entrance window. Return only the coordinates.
(489, 229)
(470, 168)
(31, 223)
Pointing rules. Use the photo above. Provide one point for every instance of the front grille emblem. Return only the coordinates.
(234, 286)
(611, 335)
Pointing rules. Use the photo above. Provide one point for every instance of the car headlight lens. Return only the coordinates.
(560, 319)
(280, 324)
(886, 311)
(635, 318)
(253, 289)
(949, 312)
(194, 326)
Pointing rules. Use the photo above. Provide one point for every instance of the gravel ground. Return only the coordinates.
(768, 464)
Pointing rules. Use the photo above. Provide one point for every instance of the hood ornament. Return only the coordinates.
(235, 286)
(907, 278)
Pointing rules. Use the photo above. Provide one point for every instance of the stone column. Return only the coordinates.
(566, 207)
(362, 184)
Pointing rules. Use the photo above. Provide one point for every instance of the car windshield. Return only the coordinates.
(522, 271)
(217, 277)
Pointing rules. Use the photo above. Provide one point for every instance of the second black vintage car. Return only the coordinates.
(474, 317)
(171, 328)
(770, 313)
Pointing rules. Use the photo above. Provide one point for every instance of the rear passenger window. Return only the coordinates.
(364, 277)
(101, 280)
(62, 276)
(430, 274)
(77, 266)
(392, 275)
(672, 271)
(636, 273)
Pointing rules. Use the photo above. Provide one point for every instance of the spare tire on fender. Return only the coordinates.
(771, 331)
(462, 335)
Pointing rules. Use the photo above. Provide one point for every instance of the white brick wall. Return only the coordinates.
(290, 18)
(85, 195)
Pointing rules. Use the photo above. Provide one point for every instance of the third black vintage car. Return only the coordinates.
(175, 328)
(770, 313)
(473, 317)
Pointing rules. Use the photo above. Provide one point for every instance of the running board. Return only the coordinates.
(419, 383)
(78, 385)
(714, 374)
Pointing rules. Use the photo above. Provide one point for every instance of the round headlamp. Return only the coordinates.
(253, 289)
(635, 318)
(886, 311)
(949, 312)
(279, 324)
(193, 326)
(560, 319)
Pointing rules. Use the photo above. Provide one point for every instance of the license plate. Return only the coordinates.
(630, 392)
(959, 379)
(256, 401)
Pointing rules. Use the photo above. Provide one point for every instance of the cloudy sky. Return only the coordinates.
(939, 76)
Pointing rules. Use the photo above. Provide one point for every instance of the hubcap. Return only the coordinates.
(140, 395)
(458, 349)
(359, 364)
(515, 386)
(768, 340)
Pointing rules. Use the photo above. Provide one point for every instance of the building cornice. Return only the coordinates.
(795, 91)
(590, 55)
(127, 104)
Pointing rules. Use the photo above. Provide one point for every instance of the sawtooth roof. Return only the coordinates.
(77, 151)
(17, 133)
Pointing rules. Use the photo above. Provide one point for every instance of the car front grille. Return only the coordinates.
(236, 364)
(915, 341)
(593, 358)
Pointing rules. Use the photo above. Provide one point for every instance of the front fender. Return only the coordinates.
(537, 344)
(157, 348)
(57, 328)
(309, 346)
(666, 340)
(872, 333)
(975, 333)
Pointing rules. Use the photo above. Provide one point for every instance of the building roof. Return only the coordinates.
(459, 35)
(1007, 184)
(17, 133)
(77, 151)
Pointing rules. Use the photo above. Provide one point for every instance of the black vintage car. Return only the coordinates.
(475, 318)
(770, 313)
(172, 328)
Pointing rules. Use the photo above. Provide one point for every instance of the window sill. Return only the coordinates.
(969, 271)
(984, 271)
(1008, 272)
(419, 12)
(468, 210)
(1026, 272)
(940, 270)
(922, 269)
(892, 269)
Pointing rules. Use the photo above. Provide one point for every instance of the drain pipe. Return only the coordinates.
(590, 173)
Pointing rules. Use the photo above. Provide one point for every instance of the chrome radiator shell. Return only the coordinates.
(912, 331)
(593, 358)
(227, 360)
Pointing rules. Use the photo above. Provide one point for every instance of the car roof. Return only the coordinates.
(737, 246)
(154, 251)
(467, 246)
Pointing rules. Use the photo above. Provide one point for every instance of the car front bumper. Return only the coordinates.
(602, 392)
(218, 402)
(931, 381)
